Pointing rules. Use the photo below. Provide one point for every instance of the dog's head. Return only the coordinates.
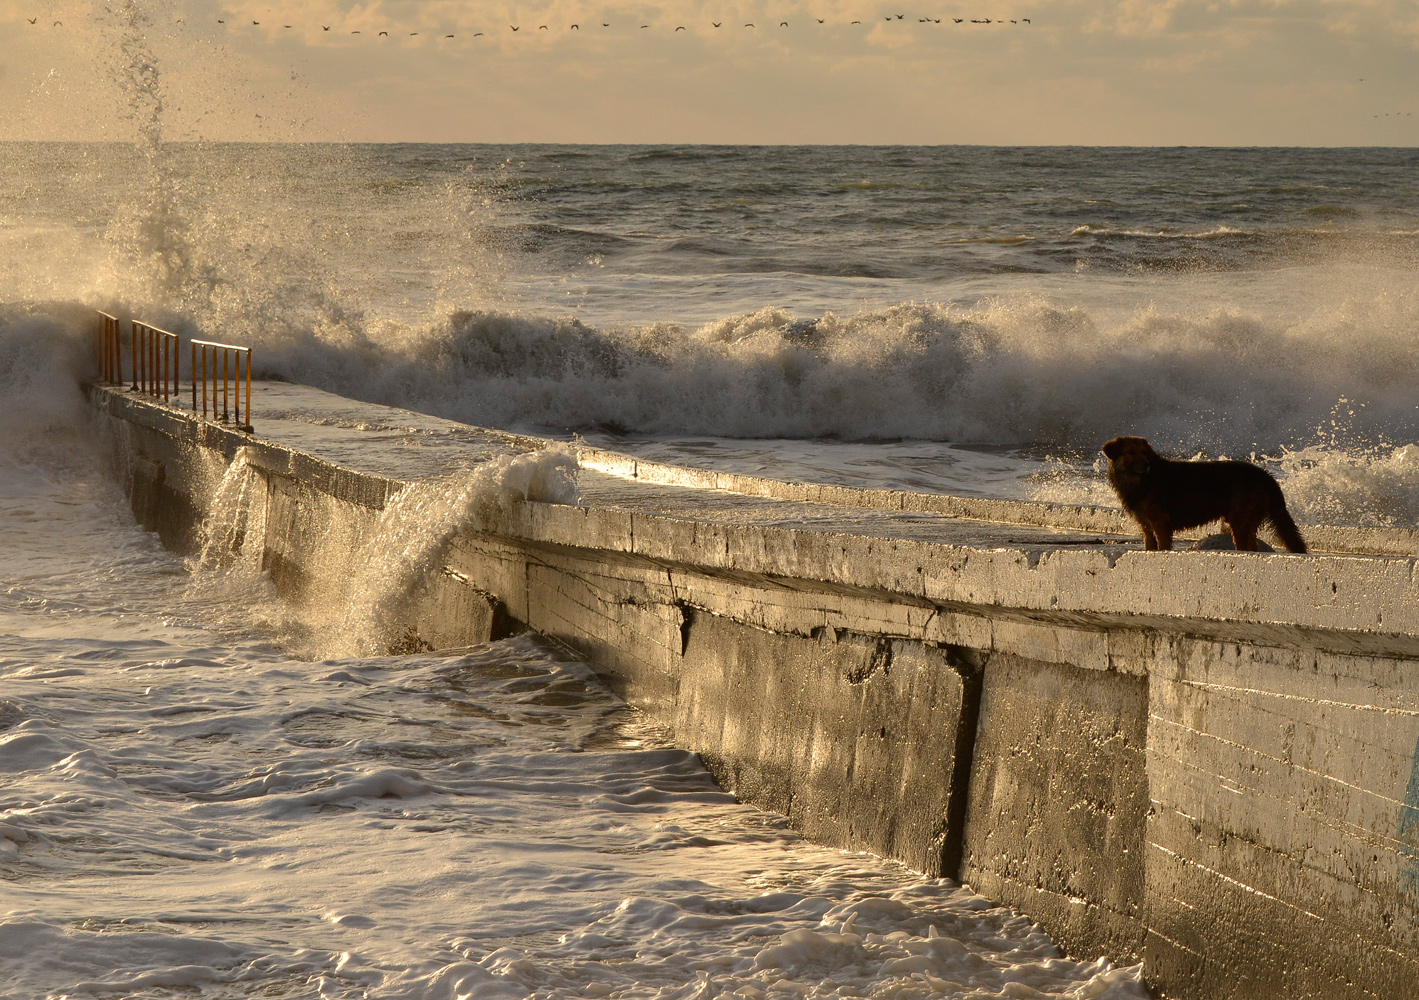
(1130, 456)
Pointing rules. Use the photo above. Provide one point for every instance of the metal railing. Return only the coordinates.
(217, 370)
(155, 355)
(231, 375)
(108, 347)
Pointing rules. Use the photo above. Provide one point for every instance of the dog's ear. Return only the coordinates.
(1112, 448)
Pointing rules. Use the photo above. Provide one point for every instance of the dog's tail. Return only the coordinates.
(1286, 530)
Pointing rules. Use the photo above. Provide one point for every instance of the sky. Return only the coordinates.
(1080, 72)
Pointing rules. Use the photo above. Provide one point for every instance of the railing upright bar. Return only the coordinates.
(192, 369)
(204, 381)
(236, 385)
(133, 337)
(248, 387)
(226, 413)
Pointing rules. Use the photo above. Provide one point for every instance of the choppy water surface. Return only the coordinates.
(198, 800)
(187, 809)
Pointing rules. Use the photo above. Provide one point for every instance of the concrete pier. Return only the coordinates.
(1206, 761)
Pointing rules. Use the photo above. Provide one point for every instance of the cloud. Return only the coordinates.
(1184, 71)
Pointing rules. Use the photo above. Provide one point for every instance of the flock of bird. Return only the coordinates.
(890, 18)
(719, 24)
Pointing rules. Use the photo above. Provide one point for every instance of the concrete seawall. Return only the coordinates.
(1207, 761)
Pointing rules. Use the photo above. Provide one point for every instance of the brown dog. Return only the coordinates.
(1166, 496)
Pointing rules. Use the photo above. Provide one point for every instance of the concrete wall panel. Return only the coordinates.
(852, 737)
(1058, 794)
(1278, 859)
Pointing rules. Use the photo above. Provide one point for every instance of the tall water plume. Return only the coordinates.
(150, 232)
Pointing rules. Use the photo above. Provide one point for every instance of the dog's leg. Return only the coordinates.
(1163, 533)
(1244, 534)
(1150, 540)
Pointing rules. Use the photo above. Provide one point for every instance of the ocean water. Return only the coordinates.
(207, 792)
(982, 318)
(203, 792)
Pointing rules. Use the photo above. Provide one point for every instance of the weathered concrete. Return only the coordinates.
(1206, 760)
(1058, 798)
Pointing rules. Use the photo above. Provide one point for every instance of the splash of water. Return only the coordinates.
(364, 602)
(233, 517)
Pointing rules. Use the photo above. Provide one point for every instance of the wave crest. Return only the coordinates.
(1009, 371)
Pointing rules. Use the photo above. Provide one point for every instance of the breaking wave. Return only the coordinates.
(1012, 371)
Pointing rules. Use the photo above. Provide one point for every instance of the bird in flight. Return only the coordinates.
(287, 25)
(958, 20)
(383, 33)
(856, 22)
(447, 36)
(680, 28)
(32, 20)
(541, 27)
(748, 25)
(515, 27)
(255, 22)
(354, 32)
(716, 23)
(325, 27)
(477, 34)
(58, 24)
(783, 24)
(818, 19)
(575, 27)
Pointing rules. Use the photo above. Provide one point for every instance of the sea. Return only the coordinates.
(202, 793)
